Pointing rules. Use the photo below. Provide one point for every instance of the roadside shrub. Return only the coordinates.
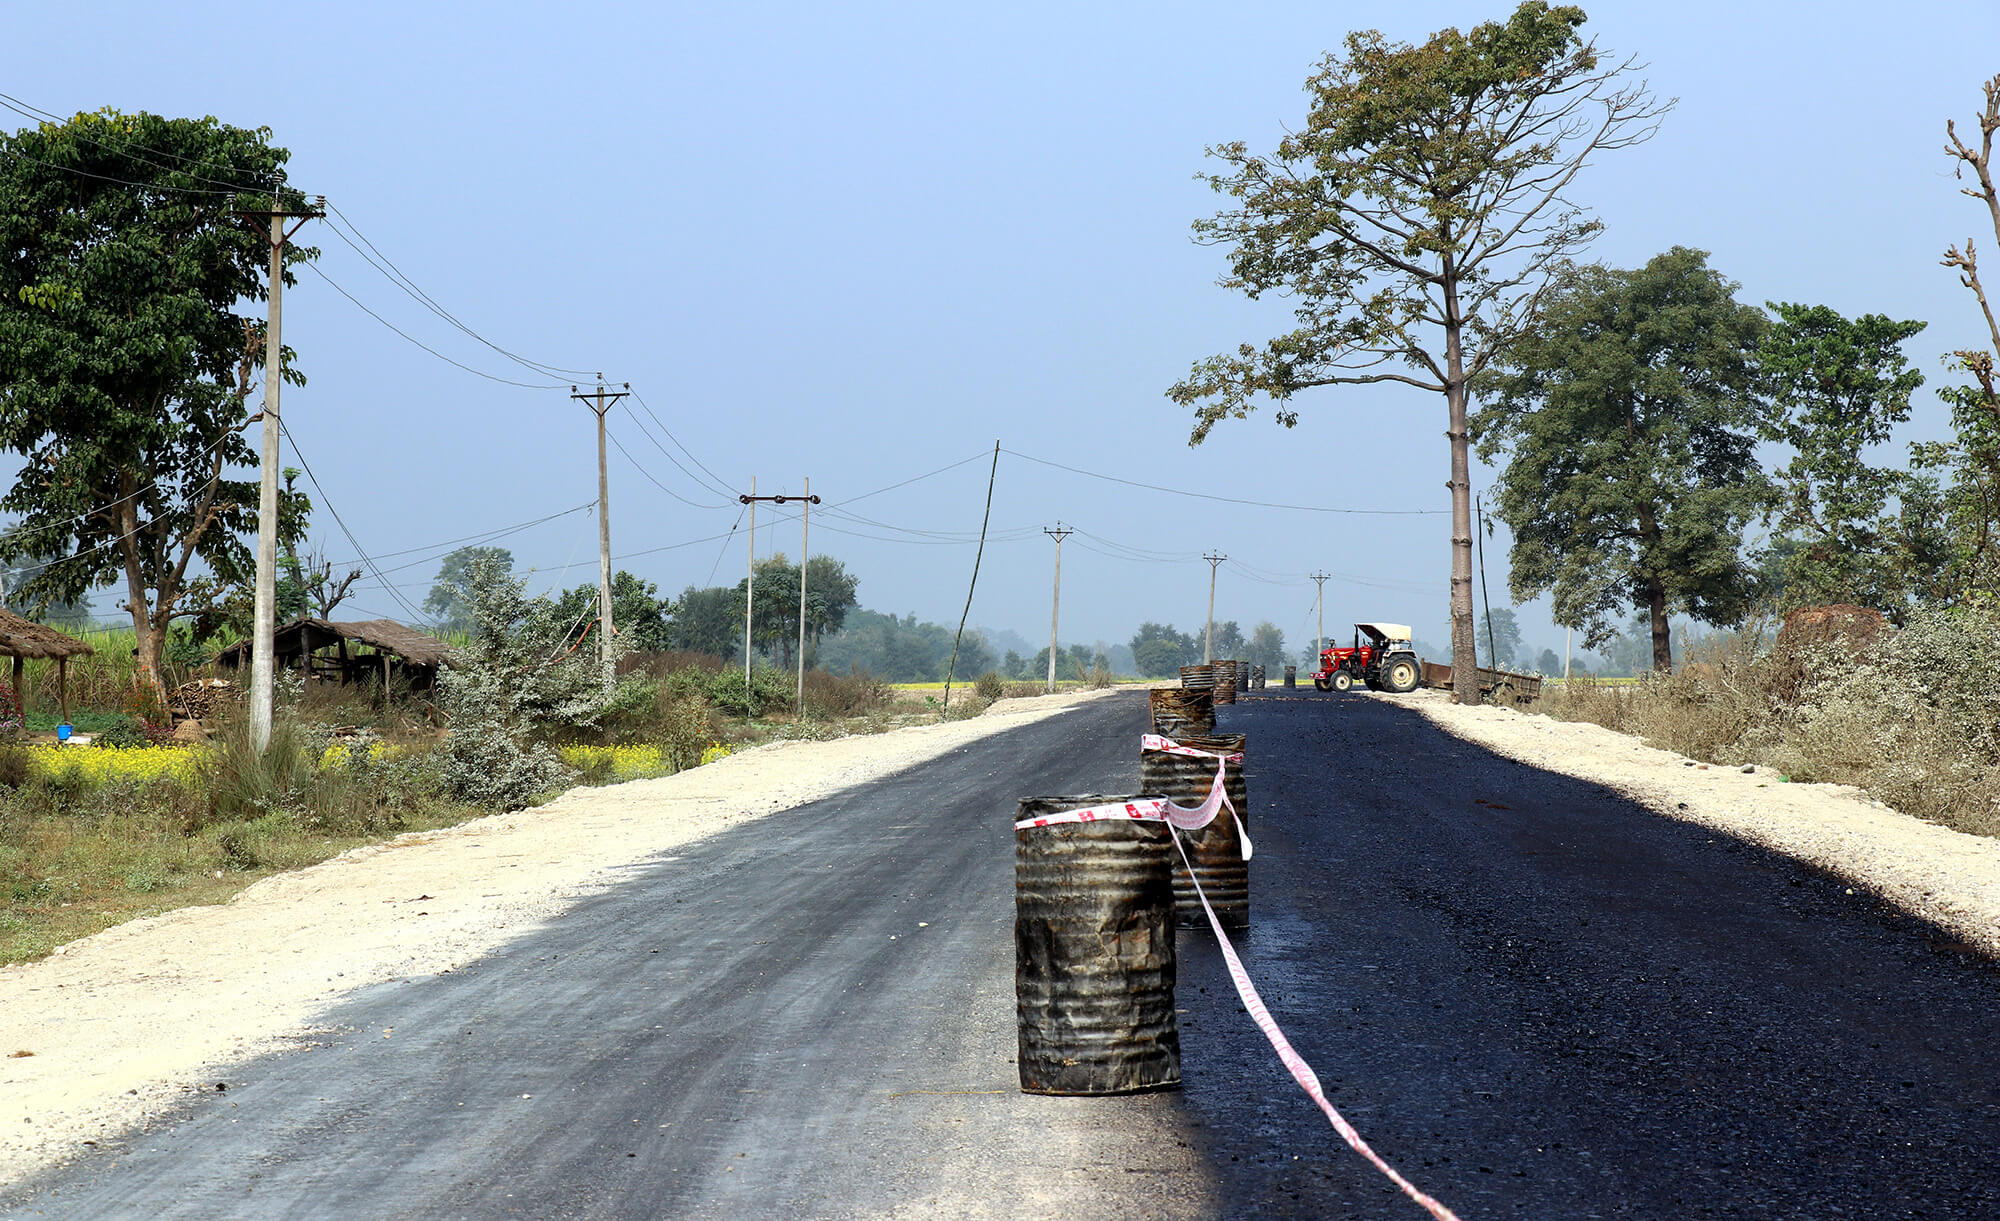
(1099, 676)
(990, 686)
(1913, 717)
(1017, 691)
(768, 689)
(244, 783)
(123, 733)
(515, 684)
(839, 695)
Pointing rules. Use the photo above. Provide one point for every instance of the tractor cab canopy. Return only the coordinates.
(1384, 633)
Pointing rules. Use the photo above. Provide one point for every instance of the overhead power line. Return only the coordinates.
(1235, 500)
(505, 381)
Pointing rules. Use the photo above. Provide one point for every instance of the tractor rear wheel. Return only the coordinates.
(1401, 675)
(1342, 680)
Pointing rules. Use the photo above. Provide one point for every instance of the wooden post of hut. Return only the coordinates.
(24, 638)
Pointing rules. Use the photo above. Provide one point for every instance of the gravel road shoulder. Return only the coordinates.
(120, 1027)
(1946, 876)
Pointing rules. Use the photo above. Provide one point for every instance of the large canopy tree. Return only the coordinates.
(1416, 218)
(1631, 417)
(1838, 386)
(1972, 504)
(126, 360)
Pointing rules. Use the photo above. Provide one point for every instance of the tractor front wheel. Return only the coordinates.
(1401, 676)
(1321, 683)
(1342, 680)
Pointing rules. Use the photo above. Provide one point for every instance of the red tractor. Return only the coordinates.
(1382, 657)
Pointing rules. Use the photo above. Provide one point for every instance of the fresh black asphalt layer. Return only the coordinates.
(1534, 997)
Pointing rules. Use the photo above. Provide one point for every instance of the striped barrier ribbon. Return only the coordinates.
(1218, 797)
(1300, 1070)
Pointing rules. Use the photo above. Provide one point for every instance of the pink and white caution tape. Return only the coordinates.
(1300, 1070)
(1151, 810)
(1218, 796)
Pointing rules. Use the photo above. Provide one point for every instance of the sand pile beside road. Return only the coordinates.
(1945, 876)
(120, 1026)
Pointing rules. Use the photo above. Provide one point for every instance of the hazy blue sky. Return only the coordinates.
(860, 242)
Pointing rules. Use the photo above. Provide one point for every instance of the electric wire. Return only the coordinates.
(314, 268)
(721, 485)
(416, 616)
(649, 475)
(482, 536)
(37, 114)
(395, 275)
(1261, 504)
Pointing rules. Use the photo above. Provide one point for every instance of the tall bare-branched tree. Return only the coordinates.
(1973, 502)
(1417, 219)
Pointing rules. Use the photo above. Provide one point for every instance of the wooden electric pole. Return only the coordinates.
(601, 401)
(1319, 601)
(1055, 610)
(264, 629)
(750, 588)
(1208, 637)
(805, 540)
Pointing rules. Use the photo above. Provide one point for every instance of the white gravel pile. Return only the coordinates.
(116, 1028)
(1946, 876)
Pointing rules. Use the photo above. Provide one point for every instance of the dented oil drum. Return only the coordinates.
(1225, 681)
(1291, 676)
(1094, 953)
(1198, 678)
(1177, 710)
(1217, 849)
(1242, 675)
(1256, 678)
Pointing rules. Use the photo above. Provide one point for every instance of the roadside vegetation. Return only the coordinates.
(1912, 716)
(139, 822)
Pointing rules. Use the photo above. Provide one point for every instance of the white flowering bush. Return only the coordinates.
(515, 682)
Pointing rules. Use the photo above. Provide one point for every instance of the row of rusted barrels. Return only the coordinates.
(1096, 905)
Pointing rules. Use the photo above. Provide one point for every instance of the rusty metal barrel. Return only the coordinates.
(1225, 681)
(1094, 952)
(1177, 710)
(1256, 678)
(1198, 678)
(1242, 675)
(1217, 849)
(1291, 676)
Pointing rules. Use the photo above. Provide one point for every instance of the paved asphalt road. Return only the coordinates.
(1536, 998)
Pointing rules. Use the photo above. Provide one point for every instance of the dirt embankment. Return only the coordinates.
(1946, 876)
(117, 1027)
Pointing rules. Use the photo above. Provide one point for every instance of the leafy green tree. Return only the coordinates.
(63, 612)
(1415, 218)
(125, 366)
(1228, 641)
(638, 612)
(1838, 386)
(708, 621)
(900, 650)
(1505, 635)
(1630, 420)
(1549, 663)
(1157, 649)
(1266, 647)
(449, 603)
(830, 595)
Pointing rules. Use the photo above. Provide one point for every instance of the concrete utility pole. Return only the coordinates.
(1208, 637)
(600, 402)
(1319, 601)
(805, 527)
(1060, 533)
(263, 643)
(750, 590)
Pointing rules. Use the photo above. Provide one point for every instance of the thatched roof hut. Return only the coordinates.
(401, 650)
(24, 638)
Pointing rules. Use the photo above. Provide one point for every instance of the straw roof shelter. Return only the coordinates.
(399, 648)
(24, 638)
